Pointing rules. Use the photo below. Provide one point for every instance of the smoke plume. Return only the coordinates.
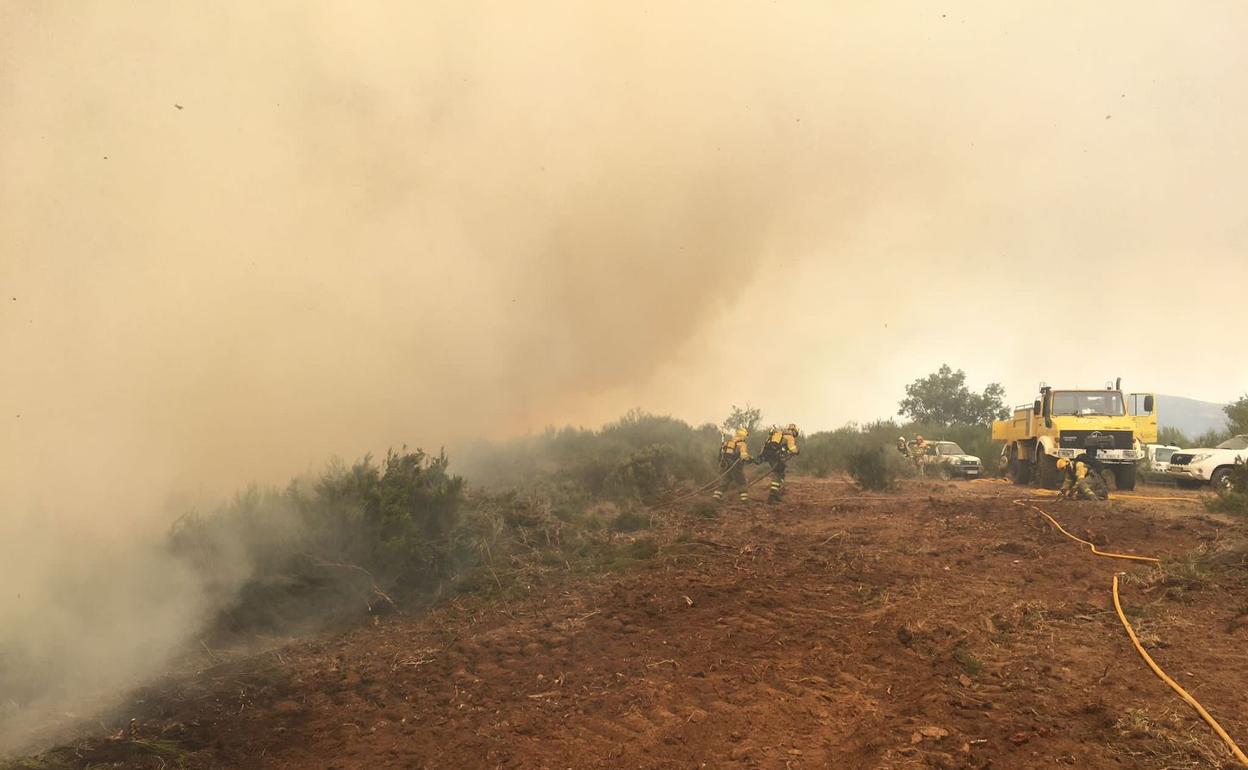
(237, 238)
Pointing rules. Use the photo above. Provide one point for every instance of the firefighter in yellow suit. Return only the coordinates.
(918, 453)
(781, 446)
(1083, 481)
(733, 456)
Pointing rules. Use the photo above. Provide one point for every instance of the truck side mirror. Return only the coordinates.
(1148, 404)
(1035, 408)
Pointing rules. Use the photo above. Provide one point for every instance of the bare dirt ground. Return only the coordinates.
(941, 626)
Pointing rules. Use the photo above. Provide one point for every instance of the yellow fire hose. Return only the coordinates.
(1113, 496)
(758, 478)
(1093, 547)
(1191, 701)
(702, 488)
(713, 482)
(1120, 496)
(1205, 715)
(1184, 694)
(1117, 496)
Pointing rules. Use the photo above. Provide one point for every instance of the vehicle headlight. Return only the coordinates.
(1200, 458)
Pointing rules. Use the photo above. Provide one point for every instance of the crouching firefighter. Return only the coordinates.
(733, 456)
(781, 446)
(1083, 479)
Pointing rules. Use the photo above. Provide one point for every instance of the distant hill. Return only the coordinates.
(1189, 415)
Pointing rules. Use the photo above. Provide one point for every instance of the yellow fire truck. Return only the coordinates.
(1104, 424)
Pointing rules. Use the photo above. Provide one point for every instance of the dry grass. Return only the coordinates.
(1171, 739)
(1204, 569)
(131, 752)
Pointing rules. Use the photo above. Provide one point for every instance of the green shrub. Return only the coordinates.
(871, 470)
(1235, 499)
(1239, 477)
(640, 457)
(322, 546)
(1230, 502)
(647, 473)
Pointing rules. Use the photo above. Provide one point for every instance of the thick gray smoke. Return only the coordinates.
(84, 616)
(239, 241)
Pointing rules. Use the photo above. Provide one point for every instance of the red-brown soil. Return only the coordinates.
(937, 627)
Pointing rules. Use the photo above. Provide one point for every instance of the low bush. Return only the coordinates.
(1229, 502)
(406, 531)
(1235, 499)
(871, 470)
(347, 539)
(651, 471)
(638, 458)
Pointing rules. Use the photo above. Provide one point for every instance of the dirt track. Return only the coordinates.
(938, 627)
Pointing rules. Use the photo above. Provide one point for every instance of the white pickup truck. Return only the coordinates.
(946, 460)
(1196, 467)
(1156, 463)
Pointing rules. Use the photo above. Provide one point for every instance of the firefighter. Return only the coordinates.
(733, 456)
(903, 446)
(918, 453)
(781, 446)
(1083, 479)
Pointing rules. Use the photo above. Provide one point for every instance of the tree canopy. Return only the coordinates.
(942, 398)
(1237, 416)
(747, 418)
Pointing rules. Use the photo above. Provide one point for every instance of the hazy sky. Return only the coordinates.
(238, 237)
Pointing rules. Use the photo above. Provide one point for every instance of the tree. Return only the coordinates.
(1237, 416)
(1210, 438)
(1168, 434)
(747, 418)
(942, 398)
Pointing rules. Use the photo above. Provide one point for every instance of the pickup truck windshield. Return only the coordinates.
(1081, 403)
(1239, 442)
(949, 448)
